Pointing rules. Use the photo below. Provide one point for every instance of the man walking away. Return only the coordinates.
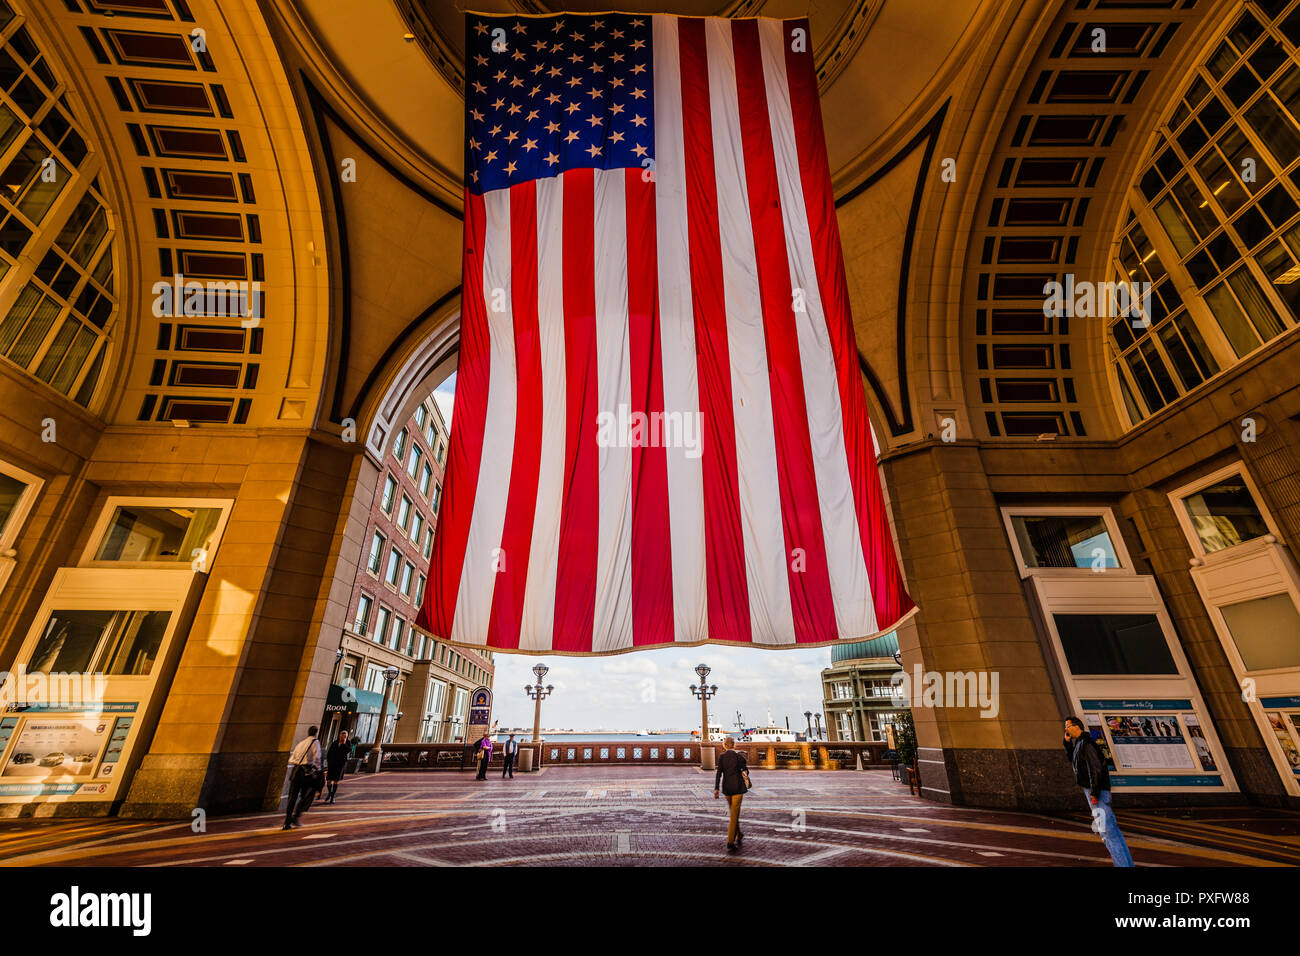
(484, 755)
(304, 768)
(512, 748)
(733, 776)
(1091, 774)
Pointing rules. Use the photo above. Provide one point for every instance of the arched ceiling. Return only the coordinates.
(361, 272)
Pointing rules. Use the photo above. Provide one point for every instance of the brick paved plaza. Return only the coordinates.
(650, 816)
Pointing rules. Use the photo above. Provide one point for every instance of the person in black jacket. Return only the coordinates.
(336, 758)
(1091, 774)
(731, 778)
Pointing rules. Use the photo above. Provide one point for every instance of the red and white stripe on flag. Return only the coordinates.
(660, 434)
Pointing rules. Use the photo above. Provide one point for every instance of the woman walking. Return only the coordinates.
(733, 776)
(336, 758)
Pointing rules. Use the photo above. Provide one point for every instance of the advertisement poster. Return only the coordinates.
(1199, 743)
(49, 747)
(1094, 728)
(1285, 740)
(1149, 741)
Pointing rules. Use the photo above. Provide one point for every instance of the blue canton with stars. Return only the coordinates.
(544, 95)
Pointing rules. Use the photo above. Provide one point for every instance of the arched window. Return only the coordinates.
(1213, 229)
(58, 299)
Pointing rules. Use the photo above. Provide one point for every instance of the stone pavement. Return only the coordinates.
(650, 816)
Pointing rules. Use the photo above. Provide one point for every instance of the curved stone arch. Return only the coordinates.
(429, 358)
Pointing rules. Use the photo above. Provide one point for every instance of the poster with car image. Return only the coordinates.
(1149, 742)
(51, 747)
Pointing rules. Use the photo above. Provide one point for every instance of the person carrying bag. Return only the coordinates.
(732, 779)
(305, 778)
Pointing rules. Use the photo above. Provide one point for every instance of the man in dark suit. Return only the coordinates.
(511, 749)
(731, 779)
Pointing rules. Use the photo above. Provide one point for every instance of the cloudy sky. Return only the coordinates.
(650, 690)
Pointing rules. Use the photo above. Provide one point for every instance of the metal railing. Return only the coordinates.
(815, 755)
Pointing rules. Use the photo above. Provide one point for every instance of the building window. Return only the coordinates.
(394, 565)
(1114, 644)
(1266, 631)
(841, 690)
(421, 414)
(1220, 196)
(374, 679)
(428, 542)
(144, 533)
(399, 446)
(390, 489)
(417, 457)
(398, 629)
(364, 606)
(375, 560)
(417, 526)
(381, 625)
(408, 575)
(879, 720)
(419, 591)
(115, 643)
(437, 497)
(442, 450)
(404, 513)
(17, 489)
(1224, 514)
(56, 234)
(426, 478)
(1064, 541)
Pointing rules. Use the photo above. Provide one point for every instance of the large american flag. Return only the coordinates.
(660, 433)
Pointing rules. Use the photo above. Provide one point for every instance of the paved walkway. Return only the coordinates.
(649, 816)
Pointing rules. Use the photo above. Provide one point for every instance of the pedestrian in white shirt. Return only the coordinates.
(304, 771)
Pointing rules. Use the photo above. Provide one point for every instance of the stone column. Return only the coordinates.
(974, 617)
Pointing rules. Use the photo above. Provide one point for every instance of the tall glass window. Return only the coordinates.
(1213, 234)
(56, 232)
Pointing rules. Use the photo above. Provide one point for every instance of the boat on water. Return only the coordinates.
(771, 732)
(716, 732)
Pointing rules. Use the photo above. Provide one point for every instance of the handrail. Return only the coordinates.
(810, 755)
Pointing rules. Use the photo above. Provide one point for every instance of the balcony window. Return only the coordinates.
(374, 561)
(364, 606)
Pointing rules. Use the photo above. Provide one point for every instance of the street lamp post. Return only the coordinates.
(818, 718)
(807, 715)
(377, 755)
(537, 694)
(704, 692)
